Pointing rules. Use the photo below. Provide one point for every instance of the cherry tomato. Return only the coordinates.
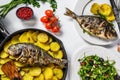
(55, 29)
(48, 25)
(49, 13)
(44, 19)
(53, 19)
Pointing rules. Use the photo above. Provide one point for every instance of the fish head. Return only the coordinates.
(14, 50)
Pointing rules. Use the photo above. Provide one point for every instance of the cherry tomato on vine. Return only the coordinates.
(49, 13)
(55, 29)
(48, 25)
(44, 19)
(53, 19)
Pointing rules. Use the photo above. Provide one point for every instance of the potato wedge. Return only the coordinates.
(94, 8)
(54, 46)
(42, 37)
(105, 9)
(4, 54)
(34, 71)
(58, 73)
(48, 73)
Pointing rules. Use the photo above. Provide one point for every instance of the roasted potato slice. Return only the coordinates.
(15, 39)
(35, 71)
(94, 8)
(48, 73)
(3, 61)
(105, 9)
(4, 54)
(7, 45)
(40, 77)
(58, 73)
(18, 64)
(58, 54)
(111, 17)
(27, 77)
(54, 46)
(43, 37)
(1, 72)
(34, 36)
(43, 46)
(54, 78)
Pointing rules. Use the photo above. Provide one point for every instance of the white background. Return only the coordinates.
(71, 39)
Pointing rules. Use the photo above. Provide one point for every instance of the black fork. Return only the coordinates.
(116, 11)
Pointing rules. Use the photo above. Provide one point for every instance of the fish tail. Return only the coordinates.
(70, 13)
(61, 62)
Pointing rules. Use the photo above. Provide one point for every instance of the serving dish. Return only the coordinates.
(83, 8)
(92, 50)
(8, 38)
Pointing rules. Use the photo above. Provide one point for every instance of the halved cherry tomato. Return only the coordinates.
(55, 29)
(48, 25)
(49, 13)
(44, 19)
(53, 19)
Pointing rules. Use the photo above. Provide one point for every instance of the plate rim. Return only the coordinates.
(81, 34)
(80, 50)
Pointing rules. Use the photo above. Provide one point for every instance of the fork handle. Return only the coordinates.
(116, 13)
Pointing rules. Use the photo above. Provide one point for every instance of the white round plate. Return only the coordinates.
(92, 50)
(93, 40)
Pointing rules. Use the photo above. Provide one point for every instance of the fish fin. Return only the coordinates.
(70, 13)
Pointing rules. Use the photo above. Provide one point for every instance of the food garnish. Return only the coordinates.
(94, 67)
(104, 10)
(33, 72)
(4, 9)
(51, 21)
(94, 25)
(24, 13)
(11, 71)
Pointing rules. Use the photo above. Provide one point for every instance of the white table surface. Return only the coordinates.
(70, 38)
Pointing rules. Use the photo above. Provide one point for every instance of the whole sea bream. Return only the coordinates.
(94, 25)
(31, 54)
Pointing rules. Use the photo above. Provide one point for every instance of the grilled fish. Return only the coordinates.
(94, 25)
(31, 54)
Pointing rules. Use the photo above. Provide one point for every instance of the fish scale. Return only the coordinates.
(94, 25)
(31, 54)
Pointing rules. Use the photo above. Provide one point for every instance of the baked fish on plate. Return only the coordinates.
(31, 54)
(94, 25)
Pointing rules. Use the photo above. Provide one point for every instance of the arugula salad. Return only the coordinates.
(96, 68)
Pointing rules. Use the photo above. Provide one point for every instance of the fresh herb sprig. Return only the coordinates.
(4, 9)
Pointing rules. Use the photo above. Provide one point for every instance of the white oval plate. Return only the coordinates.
(92, 50)
(93, 40)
